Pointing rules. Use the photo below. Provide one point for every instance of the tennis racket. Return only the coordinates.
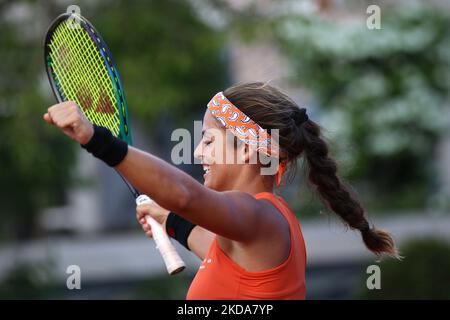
(80, 68)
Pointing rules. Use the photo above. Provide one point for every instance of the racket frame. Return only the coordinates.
(172, 260)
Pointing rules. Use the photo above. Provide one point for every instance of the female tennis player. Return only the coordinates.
(250, 242)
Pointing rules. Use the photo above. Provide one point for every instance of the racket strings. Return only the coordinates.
(81, 75)
(83, 93)
(91, 55)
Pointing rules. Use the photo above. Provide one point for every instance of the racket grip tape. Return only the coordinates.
(172, 260)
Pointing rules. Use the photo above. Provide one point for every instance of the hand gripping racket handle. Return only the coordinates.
(173, 261)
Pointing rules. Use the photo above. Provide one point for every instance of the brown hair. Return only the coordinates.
(273, 109)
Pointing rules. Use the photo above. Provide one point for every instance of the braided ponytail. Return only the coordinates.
(272, 109)
(322, 173)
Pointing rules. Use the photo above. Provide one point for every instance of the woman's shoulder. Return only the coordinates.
(276, 201)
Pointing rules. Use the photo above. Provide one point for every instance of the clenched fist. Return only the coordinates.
(69, 119)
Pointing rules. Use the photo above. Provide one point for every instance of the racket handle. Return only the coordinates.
(173, 261)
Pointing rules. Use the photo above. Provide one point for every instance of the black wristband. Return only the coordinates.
(104, 146)
(179, 228)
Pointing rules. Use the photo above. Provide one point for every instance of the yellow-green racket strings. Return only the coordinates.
(81, 75)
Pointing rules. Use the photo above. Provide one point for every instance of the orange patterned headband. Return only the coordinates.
(247, 130)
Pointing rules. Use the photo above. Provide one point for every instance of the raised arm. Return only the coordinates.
(224, 213)
(227, 214)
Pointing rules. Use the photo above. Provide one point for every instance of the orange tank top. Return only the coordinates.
(220, 278)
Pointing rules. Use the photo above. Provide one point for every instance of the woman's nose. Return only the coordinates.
(198, 152)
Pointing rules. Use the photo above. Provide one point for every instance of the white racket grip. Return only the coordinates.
(173, 261)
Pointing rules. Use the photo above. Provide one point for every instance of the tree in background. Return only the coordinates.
(423, 274)
(382, 92)
(35, 160)
(170, 62)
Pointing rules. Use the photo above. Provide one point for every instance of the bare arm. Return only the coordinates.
(227, 214)
(199, 241)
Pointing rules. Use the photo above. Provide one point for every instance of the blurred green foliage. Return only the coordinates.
(36, 282)
(35, 159)
(170, 63)
(27, 281)
(383, 95)
(423, 273)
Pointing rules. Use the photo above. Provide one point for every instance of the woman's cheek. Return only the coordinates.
(210, 152)
(217, 154)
